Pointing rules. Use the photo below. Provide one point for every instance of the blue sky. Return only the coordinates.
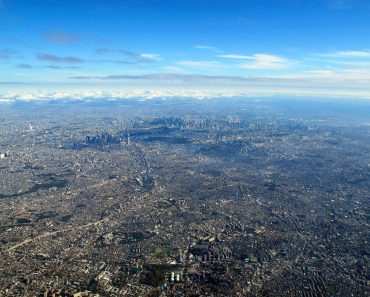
(210, 44)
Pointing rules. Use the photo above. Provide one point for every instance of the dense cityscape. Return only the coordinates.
(235, 197)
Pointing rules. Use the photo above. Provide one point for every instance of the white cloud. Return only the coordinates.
(349, 77)
(91, 95)
(260, 61)
(237, 57)
(321, 74)
(256, 61)
(348, 54)
(201, 64)
(172, 69)
(209, 48)
(154, 57)
(350, 65)
(363, 54)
